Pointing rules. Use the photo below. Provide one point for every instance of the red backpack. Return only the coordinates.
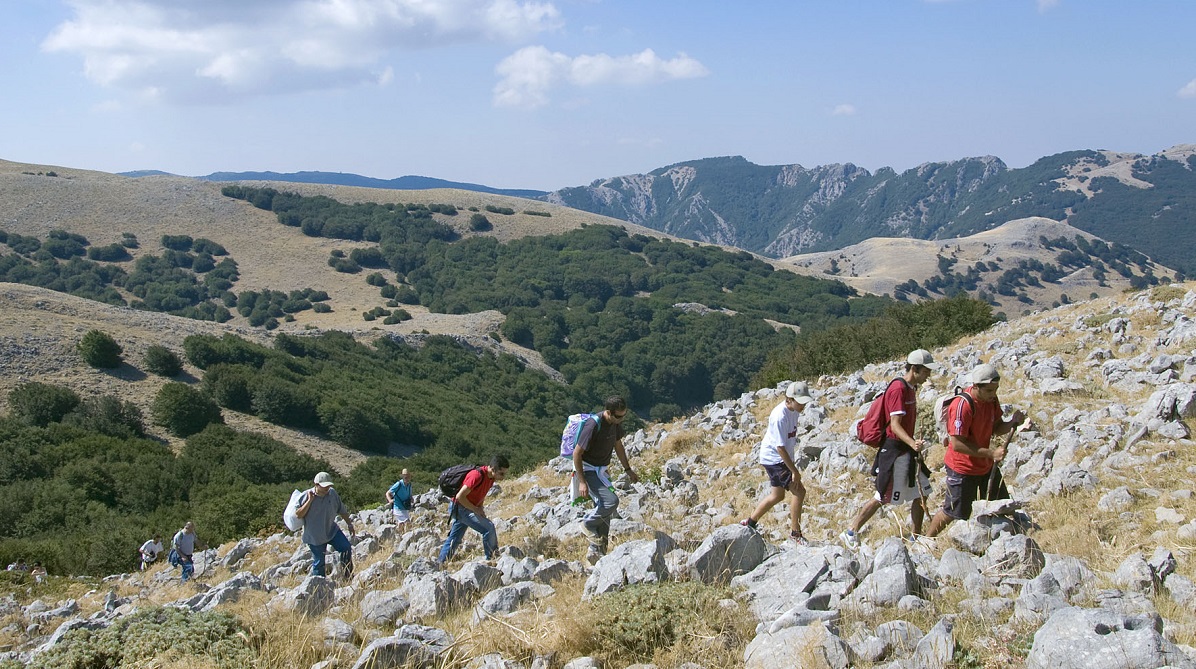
(871, 428)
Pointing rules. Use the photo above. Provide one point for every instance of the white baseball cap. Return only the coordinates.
(922, 357)
(985, 374)
(800, 391)
(323, 479)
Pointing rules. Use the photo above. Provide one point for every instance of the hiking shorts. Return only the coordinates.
(962, 491)
(899, 479)
(779, 475)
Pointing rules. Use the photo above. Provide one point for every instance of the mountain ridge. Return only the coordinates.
(784, 210)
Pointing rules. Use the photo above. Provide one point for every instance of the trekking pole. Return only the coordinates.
(994, 475)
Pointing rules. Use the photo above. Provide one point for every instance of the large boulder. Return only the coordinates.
(810, 647)
(383, 607)
(784, 581)
(1076, 638)
(631, 563)
(729, 551)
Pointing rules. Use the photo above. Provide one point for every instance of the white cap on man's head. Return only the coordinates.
(323, 479)
(800, 391)
(922, 357)
(985, 374)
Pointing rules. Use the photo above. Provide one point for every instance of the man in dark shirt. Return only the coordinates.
(599, 438)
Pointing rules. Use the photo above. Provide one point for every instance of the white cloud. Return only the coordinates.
(843, 110)
(215, 50)
(530, 73)
(1045, 5)
(1188, 91)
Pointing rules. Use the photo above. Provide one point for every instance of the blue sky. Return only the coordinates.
(555, 93)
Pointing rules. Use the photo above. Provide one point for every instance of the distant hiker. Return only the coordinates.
(182, 547)
(596, 442)
(467, 509)
(319, 507)
(969, 457)
(901, 476)
(38, 572)
(777, 450)
(19, 565)
(150, 550)
(399, 497)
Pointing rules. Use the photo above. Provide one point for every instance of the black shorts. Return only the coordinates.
(779, 476)
(962, 490)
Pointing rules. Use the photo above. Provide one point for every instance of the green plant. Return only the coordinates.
(40, 404)
(183, 410)
(145, 635)
(162, 361)
(100, 350)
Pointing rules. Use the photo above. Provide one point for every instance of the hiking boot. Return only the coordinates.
(798, 538)
(749, 523)
(594, 554)
(596, 540)
(850, 540)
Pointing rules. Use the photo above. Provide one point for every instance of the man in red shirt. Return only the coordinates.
(970, 457)
(900, 475)
(467, 511)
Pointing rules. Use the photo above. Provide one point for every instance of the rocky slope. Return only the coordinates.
(1089, 565)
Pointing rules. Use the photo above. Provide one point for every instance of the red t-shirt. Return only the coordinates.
(974, 424)
(478, 484)
(901, 399)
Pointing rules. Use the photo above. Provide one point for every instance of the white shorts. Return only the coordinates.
(899, 490)
(402, 515)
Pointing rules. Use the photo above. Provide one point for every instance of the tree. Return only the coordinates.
(183, 410)
(162, 361)
(100, 350)
(41, 403)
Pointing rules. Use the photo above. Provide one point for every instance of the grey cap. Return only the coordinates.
(922, 357)
(985, 374)
(323, 479)
(800, 391)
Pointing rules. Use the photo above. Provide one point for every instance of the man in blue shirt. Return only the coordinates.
(319, 508)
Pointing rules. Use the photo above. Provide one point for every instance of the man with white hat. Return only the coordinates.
(777, 456)
(973, 418)
(318, 507)
(900, 474)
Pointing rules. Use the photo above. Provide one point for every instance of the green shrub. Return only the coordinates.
(135, 640)
(162, 361)
(634, 623)
(177, 242)
(479, 223)
(41, 403)
(100, 350)
(108, 415)
(183, 410)
(321, 308)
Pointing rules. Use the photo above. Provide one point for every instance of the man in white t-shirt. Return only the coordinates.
(777, 456)
(150, 551)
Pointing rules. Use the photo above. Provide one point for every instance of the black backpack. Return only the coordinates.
(451, 479)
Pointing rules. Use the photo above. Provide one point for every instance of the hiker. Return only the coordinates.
(596, 442)
(150, 551)
(901, 475)
(19, 565)
(777, 456)
(182, 548)
(319, 507)
(467, 509)
(399, 497)
(38, 572)
(970, 457)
